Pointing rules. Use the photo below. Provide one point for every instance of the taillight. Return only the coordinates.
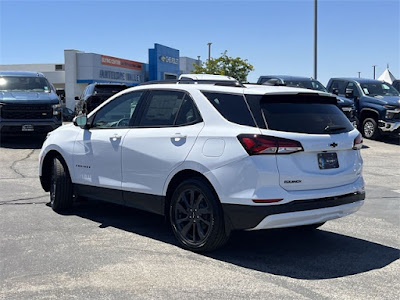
(358, 142)
(262, 144)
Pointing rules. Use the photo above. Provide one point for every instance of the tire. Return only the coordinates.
(196, 216)
(370, 129)
(60, 187)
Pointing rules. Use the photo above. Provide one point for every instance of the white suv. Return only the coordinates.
(211, 158)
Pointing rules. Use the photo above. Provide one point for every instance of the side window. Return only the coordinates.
(232, 107)
(161, 108)
(338, 85)
(353, 86)
(117, 113)
(188, 113)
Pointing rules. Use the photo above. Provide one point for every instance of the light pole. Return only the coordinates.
(209, 50)
(374, 66)
(315, 38)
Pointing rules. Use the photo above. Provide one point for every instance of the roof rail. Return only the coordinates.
(196, 81)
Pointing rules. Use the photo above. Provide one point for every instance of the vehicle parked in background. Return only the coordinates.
(292, 81)
(377, 104)
(346, 105)
(95, 94)
(211, 158)
(66, 113)
(28, 104)
(396, 84)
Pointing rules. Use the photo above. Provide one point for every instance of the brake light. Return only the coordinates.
(262, 144)
(358, 142)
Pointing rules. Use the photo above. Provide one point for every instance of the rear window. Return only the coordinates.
(232, 107)
(313, 118)
(302, 113)
(108, 89)
(310, 84)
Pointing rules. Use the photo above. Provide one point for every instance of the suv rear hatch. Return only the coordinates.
(321, 137)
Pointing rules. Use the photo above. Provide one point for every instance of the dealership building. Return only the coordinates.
(80, 69)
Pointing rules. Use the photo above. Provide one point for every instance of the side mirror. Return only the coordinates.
(349, 93)
(76, 98)
(335, 91)
(80, 121)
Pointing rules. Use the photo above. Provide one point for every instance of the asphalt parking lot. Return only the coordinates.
(105, 251)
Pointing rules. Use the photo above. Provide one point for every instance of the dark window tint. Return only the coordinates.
(118, 112)
(337, 85)
(396, 85)
(162, 108)
(108, 89)
(314, 118)
(188, 113)
(306, 84)
(231, 107)
(352, 86)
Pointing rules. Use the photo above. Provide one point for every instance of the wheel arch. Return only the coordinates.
(177, 179)
(46, 168)
(368, 113)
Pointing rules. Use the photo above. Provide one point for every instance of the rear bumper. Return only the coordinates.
(294, 213)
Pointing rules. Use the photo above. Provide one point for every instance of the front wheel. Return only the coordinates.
(196, 216)
(370, 129)
(60, 186)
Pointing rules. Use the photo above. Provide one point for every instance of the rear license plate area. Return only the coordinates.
(328, 161)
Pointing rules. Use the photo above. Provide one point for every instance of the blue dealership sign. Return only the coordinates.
(163, 62)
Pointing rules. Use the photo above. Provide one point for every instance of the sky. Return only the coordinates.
(276, 37)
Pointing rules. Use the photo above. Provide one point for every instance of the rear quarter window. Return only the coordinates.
(232, 107)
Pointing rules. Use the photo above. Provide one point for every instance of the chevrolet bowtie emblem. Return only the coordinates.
(333, 145)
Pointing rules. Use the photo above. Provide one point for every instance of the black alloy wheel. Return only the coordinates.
(196, 216)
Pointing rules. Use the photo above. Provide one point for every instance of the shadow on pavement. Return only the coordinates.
(285, 252)
(22, 142)
(391, 139)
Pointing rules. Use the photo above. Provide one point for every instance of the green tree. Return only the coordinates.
(225, 65)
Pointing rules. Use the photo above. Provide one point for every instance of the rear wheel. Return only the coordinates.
(370, 129)
(60, 186)
(196, 216)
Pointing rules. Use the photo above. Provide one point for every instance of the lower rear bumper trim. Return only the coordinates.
(249, 216)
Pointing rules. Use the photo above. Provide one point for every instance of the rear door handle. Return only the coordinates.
(178, 136)
(116, 137)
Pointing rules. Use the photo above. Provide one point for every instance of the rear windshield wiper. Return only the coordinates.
(334, 128)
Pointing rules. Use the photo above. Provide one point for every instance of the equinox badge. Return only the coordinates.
(292, 181)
